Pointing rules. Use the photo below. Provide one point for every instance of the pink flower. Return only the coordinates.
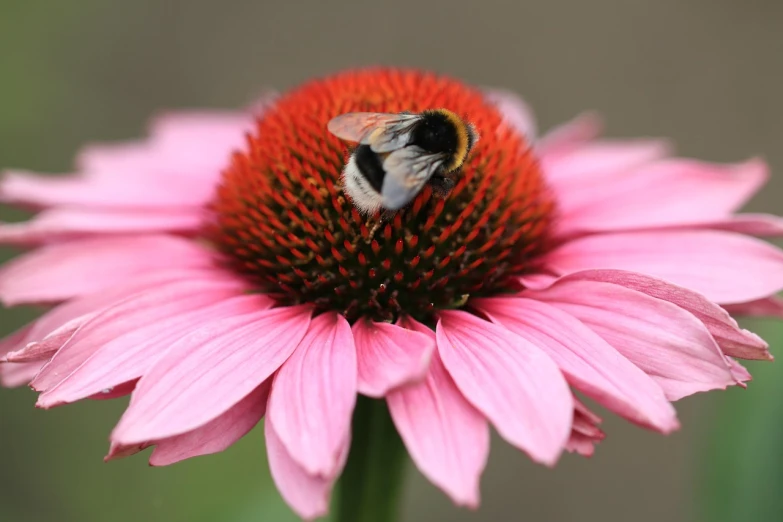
(218, 289)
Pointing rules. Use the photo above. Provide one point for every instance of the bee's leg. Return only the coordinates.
(441, 186)
(373, 230)
(387, 215)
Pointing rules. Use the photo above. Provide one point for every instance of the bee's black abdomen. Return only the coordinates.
(370, 165)
(435, 133)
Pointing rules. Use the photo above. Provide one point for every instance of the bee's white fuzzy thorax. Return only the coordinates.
(362, 195)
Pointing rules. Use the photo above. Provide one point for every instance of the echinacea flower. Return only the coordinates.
(220, 277)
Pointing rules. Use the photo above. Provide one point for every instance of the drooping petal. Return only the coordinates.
(659, 194)
(389, 356)
(667, 342)
(515, 112)
(307, 494)
(589, 363)
(732, 340)
(447, 438)
(218, 434)
(44, 349)
(208, 371)
(724, 267)
(126, 354)
(142, 308)
(61, 271)
(47, 334)
(27, 337)
(511, 381)
(314, 394)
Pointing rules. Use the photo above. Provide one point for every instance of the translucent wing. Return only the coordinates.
(407, 170)
(382, 132)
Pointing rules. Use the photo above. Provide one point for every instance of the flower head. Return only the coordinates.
(219, 281)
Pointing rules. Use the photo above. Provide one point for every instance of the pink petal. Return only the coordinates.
(120, 390)
(732, 340)
(596, 164)
(62, 271)
(724, 267)
(49, 332)
(120, 451)
(218, 434)
(515, 111)
(667, 342)
(314, 393)
(511, 381)
(183, 146)
(104, 192)
(571, 135)
(581, 444)
(45, 349)
(585, 421)
(389, 356)
(659, 194)
(15, 341)
(67, 224)
(208, 371)
(761, 225)
(589, 363)
(118, 160)
(447, 438)
(536, 281)
(35, 340)
(585, 433)
(130, 352)
(141, 308)
(201, 142)
(768, 307)
(307, 494)
(18, 374)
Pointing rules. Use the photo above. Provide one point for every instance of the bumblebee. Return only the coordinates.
(398, 154)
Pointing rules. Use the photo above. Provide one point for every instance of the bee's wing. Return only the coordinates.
(407, 170)
(382, 132)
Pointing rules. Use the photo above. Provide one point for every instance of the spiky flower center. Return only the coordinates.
(282, 219)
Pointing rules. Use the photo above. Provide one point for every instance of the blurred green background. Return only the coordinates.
(708, 73)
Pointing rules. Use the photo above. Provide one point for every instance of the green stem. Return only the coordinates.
(370, 485)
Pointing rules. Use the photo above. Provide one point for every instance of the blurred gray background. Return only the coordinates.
(707, 73)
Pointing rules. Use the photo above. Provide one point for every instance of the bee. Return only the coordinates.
(398, 154)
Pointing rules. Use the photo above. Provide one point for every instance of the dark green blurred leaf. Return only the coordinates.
(742, 474)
